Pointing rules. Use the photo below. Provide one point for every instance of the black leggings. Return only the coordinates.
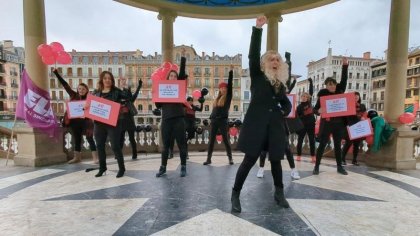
(248, 163)
(133, 142)
(174, 129)
(346, 147)
(288, 153)
(326, 129)
(310, 130)
(78, 127)
(222, 125)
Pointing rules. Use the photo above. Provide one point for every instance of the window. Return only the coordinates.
(408, 94)
(235, 94)
(79, 72)
(235, 108)
(140, 107)
(115, 60)
(75, 59)
(349, 85)
(106, 60)
(90, 71)
(120, 72)
(358, 76)
(61, 95)
(197, 82)
(95, 60)
(364, 96)
(246, 95)
(364, 86)
(85, 60)
(334, 74)
(206, 108)
(246, 105)
(365, 76)
(207, 82)
(207, 71)
(216, 71)
(90, 83)
(357, 85)
(216, 83)
(374, 96)
(226, 71)
(350, 75)
(381, 106)
(53, 95)
(382, 95)
(150, 107)
(52, 83)
(69, 72)
(236, 82)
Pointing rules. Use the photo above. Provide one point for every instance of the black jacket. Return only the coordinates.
(263, 127)
(223, 112)
(174, 110)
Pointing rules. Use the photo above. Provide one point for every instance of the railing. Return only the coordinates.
(14, 85)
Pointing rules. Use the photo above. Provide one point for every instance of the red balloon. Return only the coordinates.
(48, 60)
(233, 131)
(56, 47)
(166, 65)
(44, 50)
(63, 58)
(219, 138)
(174, 67)
(196, 94)
(406, 118)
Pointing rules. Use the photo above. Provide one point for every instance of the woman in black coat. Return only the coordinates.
(128, 124)
(263, 127)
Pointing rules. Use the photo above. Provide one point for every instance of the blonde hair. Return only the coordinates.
(275, 78)
(220, 100)
(307, 95)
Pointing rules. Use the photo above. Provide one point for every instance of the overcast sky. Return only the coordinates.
(353, 26)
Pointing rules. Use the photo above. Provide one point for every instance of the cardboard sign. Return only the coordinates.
(75, 109)
(338, 105)
(292, 99)
(103, 110)
(360, 129)
(169, 91)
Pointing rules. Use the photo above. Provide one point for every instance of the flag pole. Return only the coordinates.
(11, 139)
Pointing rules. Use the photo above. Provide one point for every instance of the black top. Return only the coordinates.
(305, 110)
(341, 88)
(223, 112)
(174, 110)
(190, 111)
(360, 109)
(73, 94)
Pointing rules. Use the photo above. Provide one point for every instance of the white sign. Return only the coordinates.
(360, 129)
(168, 90)
(100, 109)
(336, 105)
(75, 109)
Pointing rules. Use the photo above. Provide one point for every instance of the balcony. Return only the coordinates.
(3, 83)
(3, 96)
(14, 85)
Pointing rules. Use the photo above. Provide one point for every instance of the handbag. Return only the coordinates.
(131, 108)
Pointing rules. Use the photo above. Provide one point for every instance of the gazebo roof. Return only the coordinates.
(226, 9)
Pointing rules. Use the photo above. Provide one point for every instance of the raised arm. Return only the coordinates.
(255, 47)
(318, 103)
(136, 93)
(344, 75)
(311, 87)
(66, 86)
(182, 75)
(229, 87)
(289, 84)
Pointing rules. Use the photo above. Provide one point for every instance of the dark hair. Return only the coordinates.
(85, 86)
(371, 114)
(190, 99)
(167, 77)
(360, 99)
(101, 80)
(330, 80)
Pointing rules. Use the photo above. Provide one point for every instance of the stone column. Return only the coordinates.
(36, 148)
(273, 31)
(398, 153)
(167, 19)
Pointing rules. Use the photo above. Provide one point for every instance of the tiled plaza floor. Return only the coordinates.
(66, 200)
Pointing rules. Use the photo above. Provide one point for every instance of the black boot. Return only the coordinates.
(279, 197)
(162, 171)
(236, 203)
(134, 150)
(121, 168)
(316, 170)
(230, 159)
(341, 170)
(183, 170)
(208, 161)
(100, 173)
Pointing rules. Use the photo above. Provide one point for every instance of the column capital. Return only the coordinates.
(167, 14)
(276, 15)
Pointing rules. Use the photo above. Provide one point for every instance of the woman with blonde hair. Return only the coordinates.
(263, 128)
(219, 118)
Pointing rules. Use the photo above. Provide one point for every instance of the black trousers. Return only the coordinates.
(190, 132)
(174, 129)
(128, 125)
(326, 129)
(310, 131)
(78, 127)
(102, 132)
(222, 126)
(248, 163)
(288, 153)
(347, 145)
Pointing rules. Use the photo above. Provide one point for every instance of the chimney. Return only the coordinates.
(203, 54)
(366, 55)
(213, 54)
(156, 54)
(8, 45)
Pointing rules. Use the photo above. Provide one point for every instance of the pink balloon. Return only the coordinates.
(166, 65)
(63, 58)
(196, 94)
(44, 50)
(48, 60)
(406, 118)
(233, 131)
(174, 67)
(219, 138)
(57, 47)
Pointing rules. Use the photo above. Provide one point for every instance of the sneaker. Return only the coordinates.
(162, 171)
(294, 174)
(298, 158)
(260, 173)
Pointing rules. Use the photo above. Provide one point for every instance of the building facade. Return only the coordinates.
(11, 66)
(359, 72)
(377, 96)
(413, 77)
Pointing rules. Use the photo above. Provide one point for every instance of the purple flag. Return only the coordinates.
(35, 108)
